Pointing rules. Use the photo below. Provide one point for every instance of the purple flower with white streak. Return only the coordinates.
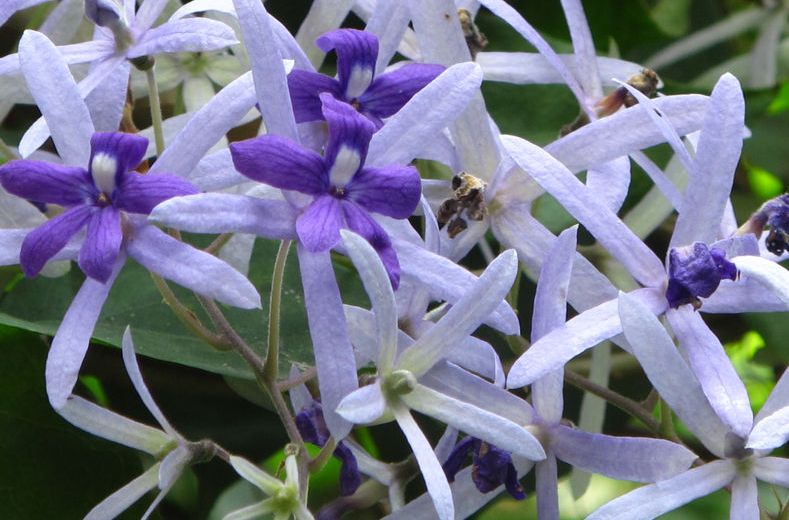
(111, 200)
(743, 451)
(375, 97)
(100, 197)
(345, 191)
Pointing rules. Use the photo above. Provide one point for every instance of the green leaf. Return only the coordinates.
(764, 184)
(759, 379)
(672, 16)
(781, 101)
(50, 469)
(39, 305)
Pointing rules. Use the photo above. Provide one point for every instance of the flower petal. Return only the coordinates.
(430, 467)
(328, 330)
(708, 360)
(364, 405)
(117, 152)
(545, 472)
(133, 369)
(407, 133)
(305, 87)
(102, 244)
(279, 162)
(194, 269)
(207, 127)
(356, 54)
(318, 227)
(393, 191)
(121, 500)
(109, 425)
(55, 92)
(41, 181)
(639, 260)
(379, 289)
(717, 154)
(744, 498)
(142, 193)
(778, 398)
(655, 499)
(465, 315)
(72, 338)
(772, 276)
(227, 212)
(392, 90)
(773, 470)
(186, 35)
(476, 421)
(621, 458)
(271, 84)
(669, 374)
(349, 137)
(582, 332)
(771, 431)
(627, 131)
(361, 222)
(44, 242)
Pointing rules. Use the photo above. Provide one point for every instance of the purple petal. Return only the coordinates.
(268, 71)
(622, 458)
(102, 244)
(392, 191)
(55, 92)
(773, 470)
(744, 498)
(72, 338)
(192, 268)
(390, 91)
(41, 181)
(46, 240)
(124, 151)
(655, 499)
(186, 35)
(104, 13)
(328, 330)
(319, 226)
(349, 133)
(708, 360)
(359, 221)
(305, 87)
(356, 55)
(547, 488)
(278, 162)
(141, 193)
(695, 271)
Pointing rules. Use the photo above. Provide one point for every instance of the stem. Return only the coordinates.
(323, 457)
(156, 110)
(272, 356)
(218, 243)
(287, 384)
(623, 403)
(666, 421)
(187, 317)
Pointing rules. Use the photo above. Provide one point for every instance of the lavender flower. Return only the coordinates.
(375, 97)
(743, 449)
(344, 191)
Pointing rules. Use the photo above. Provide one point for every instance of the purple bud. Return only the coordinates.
(695, 272)
(491, 467)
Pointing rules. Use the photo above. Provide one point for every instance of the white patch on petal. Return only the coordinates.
(360, 79)
(346, 164)
(102, 168)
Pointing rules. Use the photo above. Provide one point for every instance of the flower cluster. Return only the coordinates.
(344, 167)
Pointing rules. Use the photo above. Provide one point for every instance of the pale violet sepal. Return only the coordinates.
(770, 275)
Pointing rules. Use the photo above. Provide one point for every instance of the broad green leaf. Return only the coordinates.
(50, 469)
(39, 304)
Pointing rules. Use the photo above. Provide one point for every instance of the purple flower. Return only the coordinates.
(491, 467)
(313, 429)
(375, 97)
(345, 191)
(696, 271)
(97, 197)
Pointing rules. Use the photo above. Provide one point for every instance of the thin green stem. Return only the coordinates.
(187, 317)
(156, 110)
(323, 457)
(666, 421)
(272, 355)
(218, 243)
(286, 384)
